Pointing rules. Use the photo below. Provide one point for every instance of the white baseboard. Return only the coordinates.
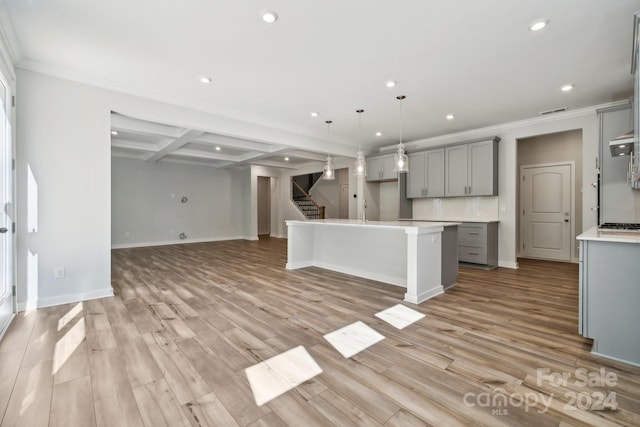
(178, 242)
(65, 299)
(508, 264)
(397, 281)
(418, 299)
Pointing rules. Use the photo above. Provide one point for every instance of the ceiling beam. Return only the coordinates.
(133, 145)
(141, 127)
(204, 155)
(169, 148)
(235, 143)
(300, 154)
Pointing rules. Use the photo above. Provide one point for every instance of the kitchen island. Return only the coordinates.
(420, 256)
(610, 293)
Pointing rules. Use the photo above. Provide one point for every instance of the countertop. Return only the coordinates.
(376, 224)
(610, 236)
(452, 219)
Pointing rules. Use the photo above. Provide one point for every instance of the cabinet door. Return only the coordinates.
(374, 168)
(482, 168)
(434, 178)
(388, 163)
(455, 170)
(416, 175)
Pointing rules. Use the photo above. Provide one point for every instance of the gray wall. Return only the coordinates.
(554, 148)
(146, 205)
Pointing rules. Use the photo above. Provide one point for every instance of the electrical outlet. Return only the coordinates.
(126, 235)
(58, 273)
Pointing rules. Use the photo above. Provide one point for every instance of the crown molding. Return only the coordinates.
(501, 128)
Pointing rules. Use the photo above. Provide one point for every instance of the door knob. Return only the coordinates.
(3, 230)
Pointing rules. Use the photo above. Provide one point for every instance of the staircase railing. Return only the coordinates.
(321, 209)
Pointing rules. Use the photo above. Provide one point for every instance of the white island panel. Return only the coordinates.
(400, 253)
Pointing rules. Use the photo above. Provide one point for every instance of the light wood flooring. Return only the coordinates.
(171, 348)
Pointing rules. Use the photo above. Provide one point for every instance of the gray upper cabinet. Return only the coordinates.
(426, 174)
(380, 168)
(472, 169)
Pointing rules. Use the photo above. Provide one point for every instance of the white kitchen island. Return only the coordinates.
(402, 253)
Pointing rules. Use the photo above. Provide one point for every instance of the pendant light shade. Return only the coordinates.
(328, 172)
(401, 161)
(360, 165)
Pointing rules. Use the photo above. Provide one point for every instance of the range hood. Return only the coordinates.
(622, 145)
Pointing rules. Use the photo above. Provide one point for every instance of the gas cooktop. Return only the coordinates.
(619, 226)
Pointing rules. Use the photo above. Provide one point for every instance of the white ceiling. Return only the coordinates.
(475, 59)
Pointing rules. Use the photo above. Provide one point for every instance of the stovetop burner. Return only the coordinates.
(619, 226)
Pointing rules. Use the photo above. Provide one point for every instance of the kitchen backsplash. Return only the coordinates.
(457, 208)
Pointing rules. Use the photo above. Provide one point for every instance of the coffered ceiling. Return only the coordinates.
(153, 142)
(477, 60)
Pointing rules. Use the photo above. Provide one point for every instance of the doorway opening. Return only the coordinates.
(550, 196)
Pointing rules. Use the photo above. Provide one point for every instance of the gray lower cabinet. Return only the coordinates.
(478, 244)
(609, 298)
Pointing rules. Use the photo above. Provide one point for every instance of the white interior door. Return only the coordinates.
(546, 212)
(7, 297)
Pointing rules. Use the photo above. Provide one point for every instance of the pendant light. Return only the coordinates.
(360, 163)
(401, 163)
(328, 172)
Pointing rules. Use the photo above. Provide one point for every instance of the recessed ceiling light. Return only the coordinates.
(538, 25)
(114, 132)
(566, 88)
(450, 117)
(314, 114)
(217, 148)
(378, 133)
(286, 159)
(269, 17)
(391, 83)
(206, 80)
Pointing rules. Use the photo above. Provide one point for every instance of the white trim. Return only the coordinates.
(491, 131)
(65, 299)
(418, 299)
(617, 359)
(508, 264)
(178, 242)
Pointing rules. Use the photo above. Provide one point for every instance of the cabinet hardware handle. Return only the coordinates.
(474, 234)
(469, 189)
(473, 253)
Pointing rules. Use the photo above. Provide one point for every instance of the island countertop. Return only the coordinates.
(610, 236)
(403, 225)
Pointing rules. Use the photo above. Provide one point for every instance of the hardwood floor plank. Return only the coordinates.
(9, 368)
(30, 401)
(72, 404)
(403, 418)
(158, 407)
(220, 379)
(113, 396)
(209, 411)
(141, 366)
(185, 382)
